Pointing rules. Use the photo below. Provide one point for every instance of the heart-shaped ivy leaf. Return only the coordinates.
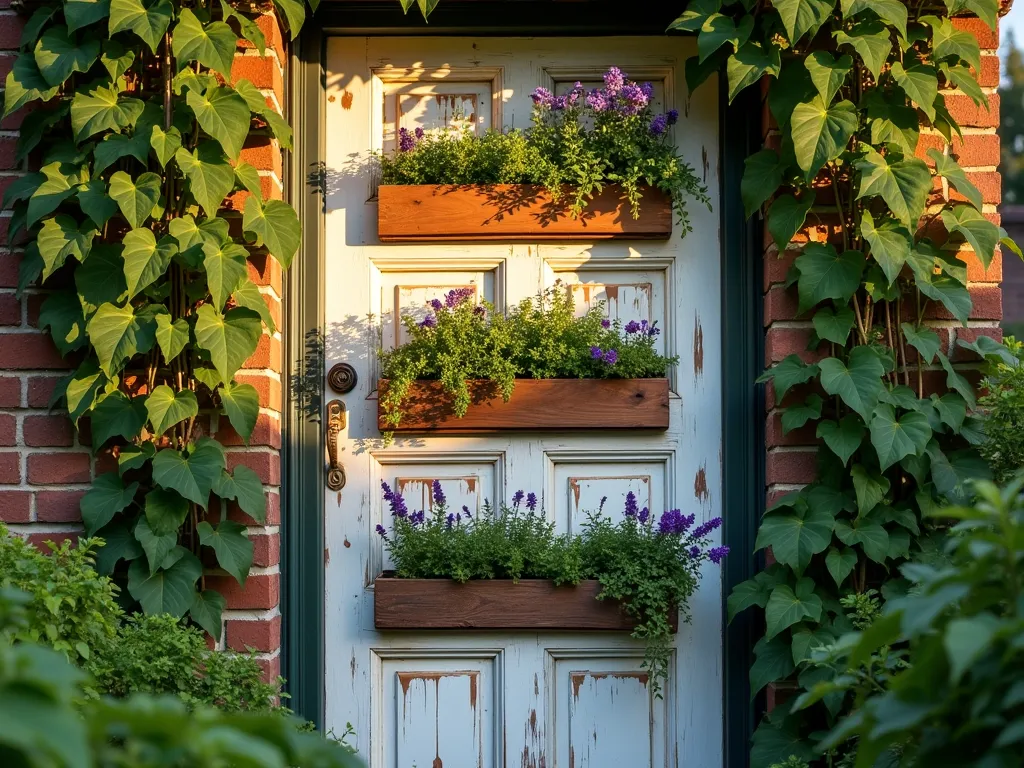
(107, 497)
(229, 540)
(167, 408)
(136, 198)
(193, 476)
(171, 589)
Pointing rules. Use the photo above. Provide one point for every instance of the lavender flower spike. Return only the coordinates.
(517, 499)
(717, 554)
(611, 357)
(531, 501)
(614, 80)
(631, 506)
(430, 321)
(704, 529)
(596, 353)
(437, 493)
(542, 97)
(659, 124)
(381, 531)
(406, 140)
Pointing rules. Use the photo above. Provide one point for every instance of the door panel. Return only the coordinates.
(465, 699)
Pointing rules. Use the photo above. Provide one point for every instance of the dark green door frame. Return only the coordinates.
(742, 336)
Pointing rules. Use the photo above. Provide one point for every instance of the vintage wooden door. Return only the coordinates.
(465, 699)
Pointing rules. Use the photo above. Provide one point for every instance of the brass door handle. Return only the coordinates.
(336, 420)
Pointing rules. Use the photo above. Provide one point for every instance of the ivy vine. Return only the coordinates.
(138, 138)
(851, 86)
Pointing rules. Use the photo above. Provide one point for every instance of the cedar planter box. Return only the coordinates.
(533, 604)
(514, 212)
(536, 404)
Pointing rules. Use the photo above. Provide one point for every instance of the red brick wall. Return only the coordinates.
(45, 467)
(791, 457)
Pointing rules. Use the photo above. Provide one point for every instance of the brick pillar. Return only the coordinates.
(45, 468)
(791, 457)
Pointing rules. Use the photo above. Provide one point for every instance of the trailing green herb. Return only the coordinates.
(578, 143)
(541, 338)
(651, 566)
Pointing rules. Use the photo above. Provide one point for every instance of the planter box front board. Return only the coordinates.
(536, 404)
(514, 213)
(532, 604)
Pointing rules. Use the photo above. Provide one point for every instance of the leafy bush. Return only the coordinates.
(652, 568)
(45, 722)
(581, 140)
(541, 338)
(937, 677)
(1004, 409)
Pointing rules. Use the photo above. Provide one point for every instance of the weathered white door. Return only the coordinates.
(490, 699)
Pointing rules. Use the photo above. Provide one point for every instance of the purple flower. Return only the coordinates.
(717, 554)
(704, 529)
(436, 304)
(430, 321)
(449, 521)
(437, 493)
(417, 518)
(395, 500)
(574, 95)
(631, 506)
(531, 501)
(632, 99)
(419, 133)
(611, 357)
(457, 296)
(694, 552)
(675, 522)
(517, 499)
(600, 506)
(673, 116)
(406, 140)
(659, 125)
(560, 103)
(648, 90)
(606, 323)
(614, 80)
(596, 353)
(632, 327)
(381, 531)
(465, 511)
(479, 310)
(644, 516)
(597, 100)
(542, 97)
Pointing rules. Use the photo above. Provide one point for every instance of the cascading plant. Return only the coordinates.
(138, 134)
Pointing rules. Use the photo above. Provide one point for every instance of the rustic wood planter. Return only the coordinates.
(536, 404)
(514, 212)
(496, 604)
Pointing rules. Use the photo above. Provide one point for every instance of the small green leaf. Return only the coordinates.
(137, 198)
(248, 28)
(834, 324)
(241, 404)
(948, 42)
(827, 72)
(61, 312)
(795, 534)
(858, 383)
(893, 122)
(149, 21)
(193, 476)
(98, 108)
(118, 544)
(981, 233)
(82, 389)
(952, 410)
(870, 489)
(145, 259)
(796, 416)
(61, 180)
(890, 243)
(749, 64)
(949, 169)
(223, 114)
(58, 53)
(955, 381)
(762, 176)
(165, 511)
(802, 17)
(871, 40)
(231, 542)
(156, 546)
(172, 336)
(134, 457)
(755, 591)
(870, 535)
(230, 339)
(249, 178)
(167, 408)
(718, 30)
(842, 438)
(826, 274)
(117, 415)
(786, 607)
(691, 19)
(840, 563)
(248, 295)
(206, 611)
(212, 46)
(107, 497)
(95, 202)
(953, 295)
(25, 84)
(165, 143)
(113, 331)
(210, 176)
(81, 13)
(116, 59)
(903, 183)
(276, 226)
(295, 12)
(225, 266)
(786, 217)
(115, 146)
(821, 132)
(924, 340)
(921, 84)
(61, 237)
(773, 661)
(171, 589)
(245, 487)
(962, 77)
(895, 438)
(790, 372)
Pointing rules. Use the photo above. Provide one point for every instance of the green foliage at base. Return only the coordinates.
(540, 338)
(1003, 404)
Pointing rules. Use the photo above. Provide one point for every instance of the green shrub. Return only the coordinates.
(1004, 408)
(937, 679)
(540, 338)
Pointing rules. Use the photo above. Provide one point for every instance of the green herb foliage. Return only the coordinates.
(937, 677)
(139, 143)
(541, 338)
(850, 114)
(651, 566)
(577, 144)
(1003, 403)
(44, 719)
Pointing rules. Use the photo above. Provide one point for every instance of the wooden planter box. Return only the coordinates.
(514, 212)
(536, 404)
(532, 604)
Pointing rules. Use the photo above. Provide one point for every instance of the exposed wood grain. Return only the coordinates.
(495, 604)
(536, 404)
(515, 212)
